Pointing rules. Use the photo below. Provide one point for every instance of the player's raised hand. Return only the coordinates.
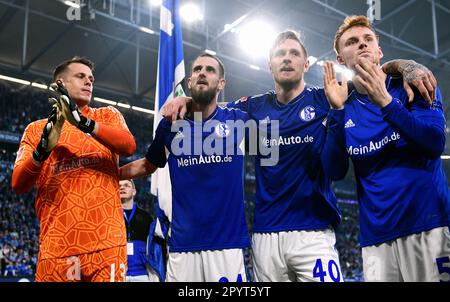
(372, 78)
(70, 111)
(50, 135)
(336, 93)
(175, 107)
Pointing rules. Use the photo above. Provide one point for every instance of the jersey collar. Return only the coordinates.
(210, 117)
(294, 101)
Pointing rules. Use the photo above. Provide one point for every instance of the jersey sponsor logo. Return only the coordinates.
(286, 141)
(87, 161)
(203, 160)
(373, 146)
(308, 114)
(349, 124)
(225, 138)
(222, 130)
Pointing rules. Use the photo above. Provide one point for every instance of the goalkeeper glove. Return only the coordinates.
(50, 136)
(70, 111)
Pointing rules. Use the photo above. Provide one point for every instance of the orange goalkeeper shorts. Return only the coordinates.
(108, 265)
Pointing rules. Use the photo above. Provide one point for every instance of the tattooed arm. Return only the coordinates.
(414, 75)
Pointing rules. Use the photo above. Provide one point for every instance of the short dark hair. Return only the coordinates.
(62, 67)
(132, 183)
(287, 35)
(221, 66)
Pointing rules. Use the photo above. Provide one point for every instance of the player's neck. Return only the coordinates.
(286, 94)
(81, 105)
(205, 110)
(128, 205)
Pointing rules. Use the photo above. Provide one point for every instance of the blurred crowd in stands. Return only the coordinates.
(19, 227)
(347, 241)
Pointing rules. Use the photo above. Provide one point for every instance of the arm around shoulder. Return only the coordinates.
(114, 133)
(138, 168)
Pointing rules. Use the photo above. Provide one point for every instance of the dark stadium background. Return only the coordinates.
(36, 35)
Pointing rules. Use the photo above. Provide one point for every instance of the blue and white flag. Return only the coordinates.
(171, 73)
(169, 80)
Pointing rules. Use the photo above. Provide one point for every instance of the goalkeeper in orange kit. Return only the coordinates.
(72, 157)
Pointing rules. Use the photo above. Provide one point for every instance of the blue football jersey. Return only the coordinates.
(207, 189)
(395, 151)
(294, 194)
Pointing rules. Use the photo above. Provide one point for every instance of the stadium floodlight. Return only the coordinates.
(156, 2)
(312, 60)
(143, 110)
(72, 4)
(147, 30)
(38, 85)
(254, 67)
(211, 52)
(339, 69)
(15, 80)
(190, 13)
(256, 37)
(123, 105)
(445, 157)
(344, 70)
(105, 101)
(232, 27)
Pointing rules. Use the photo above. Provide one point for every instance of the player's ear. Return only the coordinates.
(270, 66)
(306, 65)
(340, 60)
(222, 83)
(60, 79)
(380, 52)
(189, 82)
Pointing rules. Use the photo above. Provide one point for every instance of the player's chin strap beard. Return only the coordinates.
(203, 98)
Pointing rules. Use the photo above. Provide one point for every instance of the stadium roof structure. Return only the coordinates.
(122, 36)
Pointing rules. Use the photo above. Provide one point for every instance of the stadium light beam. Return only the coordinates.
(38, 85)
(143, 110)
(156, 2)
(123, 105)
(312, 60)
(190, 13)
(256, 38)
(71, 4)
(105, 101)
(344, 70)
(211, 52)
(147, 30)
(15, 80)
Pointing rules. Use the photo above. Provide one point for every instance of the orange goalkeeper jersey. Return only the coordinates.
(77, 201)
